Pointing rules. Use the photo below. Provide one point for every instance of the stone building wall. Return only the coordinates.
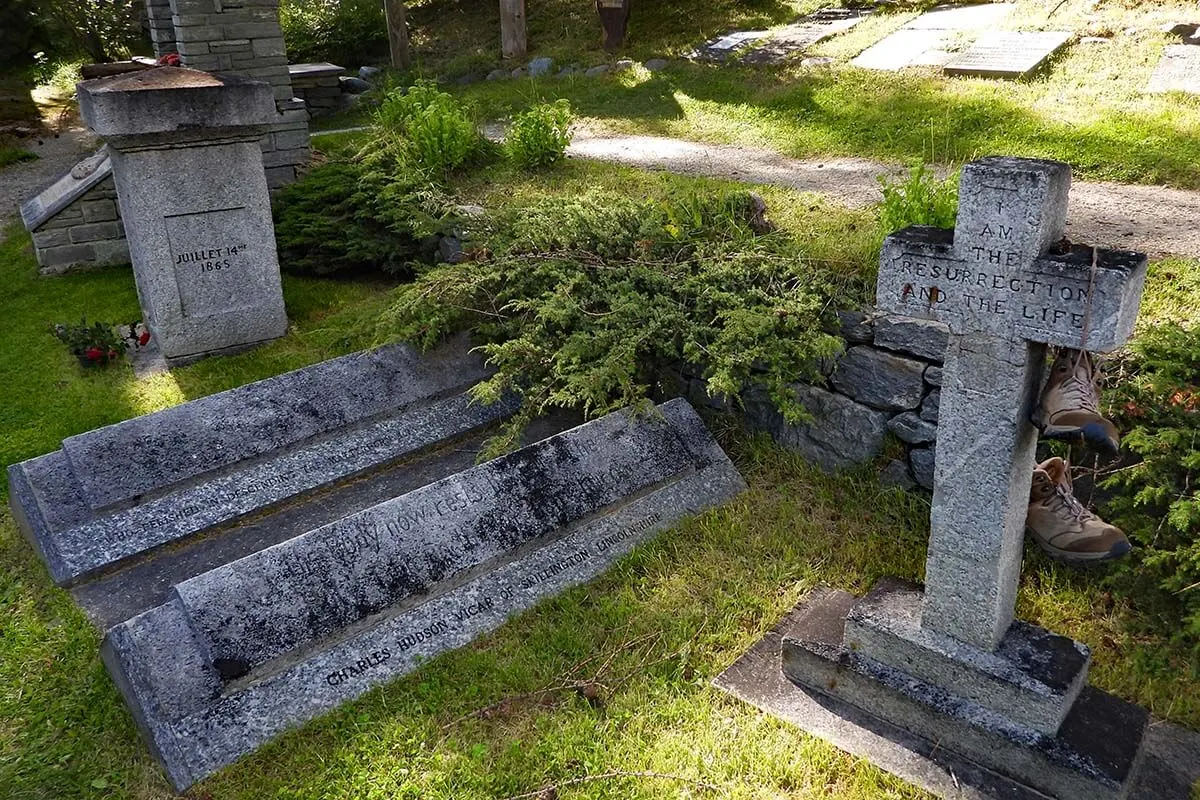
(888, 381)
(244, 37)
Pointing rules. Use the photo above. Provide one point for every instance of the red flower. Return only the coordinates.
(94, 354)
(143, 338)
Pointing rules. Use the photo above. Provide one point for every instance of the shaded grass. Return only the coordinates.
(14, 155)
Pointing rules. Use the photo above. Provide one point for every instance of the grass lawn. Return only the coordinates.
(610, 678)
(1086, 107)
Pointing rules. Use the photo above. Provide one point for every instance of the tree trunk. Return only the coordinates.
(512, 28)
(614, 20)
(397, 32)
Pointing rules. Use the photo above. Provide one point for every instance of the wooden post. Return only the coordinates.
(512, 28)
(397, 32)
(614, 21)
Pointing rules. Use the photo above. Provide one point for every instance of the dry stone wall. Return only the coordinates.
(887, 381)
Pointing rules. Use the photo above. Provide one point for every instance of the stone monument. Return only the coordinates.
(947, 668)
(193, 198)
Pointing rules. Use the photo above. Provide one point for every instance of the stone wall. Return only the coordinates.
(88, 233)
(887, 381)
(319, 86)
(245, 38)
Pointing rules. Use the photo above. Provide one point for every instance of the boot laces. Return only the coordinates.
(1079, 389)
(1064, 503)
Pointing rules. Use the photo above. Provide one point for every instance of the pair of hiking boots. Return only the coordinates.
(1069, 411)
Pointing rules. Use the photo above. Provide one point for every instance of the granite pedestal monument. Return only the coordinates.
(193, 197)
(947, 664)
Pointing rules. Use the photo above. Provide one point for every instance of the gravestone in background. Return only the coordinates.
(1007, 54)
(193, 197)
(1178, 70)
(238, 654)
(923, 41)
(614, 21)
(777, 45)
(945, 671)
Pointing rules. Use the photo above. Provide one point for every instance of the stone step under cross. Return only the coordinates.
(1007, 284)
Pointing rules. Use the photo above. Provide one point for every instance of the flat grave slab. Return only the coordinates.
(1177, 71)
(243, 652)
(794, 39)
(923, 41)
(777, 45)
(124, 490)
(1007, 54)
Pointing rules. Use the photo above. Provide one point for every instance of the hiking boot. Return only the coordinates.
(1061, 525)
(1069, 408)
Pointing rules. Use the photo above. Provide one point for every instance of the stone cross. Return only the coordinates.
(1007, 284)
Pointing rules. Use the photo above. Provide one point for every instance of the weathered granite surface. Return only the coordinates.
(998, 272)
(1169, 761)
(193, 195)
(1007, 54)
(842, 433)
(1032, 678)
(880, 380)
(130, 487)
(198, 721)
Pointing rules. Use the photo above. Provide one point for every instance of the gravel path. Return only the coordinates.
(1155, 219)
(57, 154)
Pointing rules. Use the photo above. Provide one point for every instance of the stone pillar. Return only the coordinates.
(162, 27)
(245, 38)
(193, 196)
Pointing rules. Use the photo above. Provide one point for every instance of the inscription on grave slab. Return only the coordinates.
(241, 653)
(1007, 54)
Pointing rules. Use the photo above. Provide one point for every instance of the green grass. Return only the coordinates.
(1086, 107)
(14, 155)
(645, 639)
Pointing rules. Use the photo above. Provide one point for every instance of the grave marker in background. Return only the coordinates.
(1178, 70)
(1007, 54)
(193, 197)
(948, 665)
(922, 41)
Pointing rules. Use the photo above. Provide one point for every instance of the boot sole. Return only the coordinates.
(1067, 556)
(1092, 436)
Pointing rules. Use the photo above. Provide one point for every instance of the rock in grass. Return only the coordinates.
(540, 66)
(596, 71)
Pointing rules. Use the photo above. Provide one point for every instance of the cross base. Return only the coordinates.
(931, 736)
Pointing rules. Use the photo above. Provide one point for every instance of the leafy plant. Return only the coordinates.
(328, 223)
(428, 129)
(920, 199)
(346, 32)
(1156, 502)
(539, 136)
(583, 304)
(94, 345)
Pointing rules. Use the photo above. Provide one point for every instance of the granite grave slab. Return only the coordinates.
(1178, 70)
(924, 41)
(1007, 54)
(950, 663)
(120, 491)
(242, 653)
(66, 189)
